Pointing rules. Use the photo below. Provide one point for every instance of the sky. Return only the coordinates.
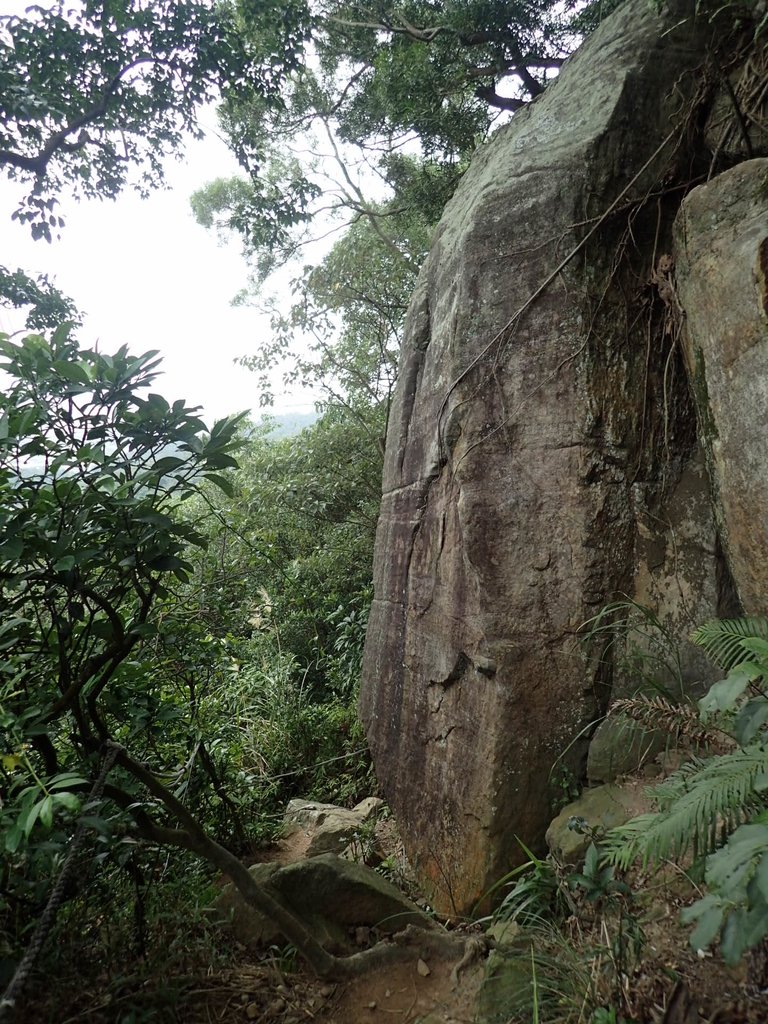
(146, 275)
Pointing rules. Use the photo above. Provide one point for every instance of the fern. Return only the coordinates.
(723, 640)
(717, 806)
(696, 803)
(660, 713)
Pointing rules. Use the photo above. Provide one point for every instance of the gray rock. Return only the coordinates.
(508, 983)
(722, 283)
(530, 457)
(621, 746)
(329, 829)
(329, 894)
(603, 807)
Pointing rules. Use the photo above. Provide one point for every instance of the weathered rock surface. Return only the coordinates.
(523, 457)
(620, 746)
(722, 284)
(328, 828)
(328, 894)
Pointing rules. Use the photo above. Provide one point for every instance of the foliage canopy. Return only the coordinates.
(90, 89)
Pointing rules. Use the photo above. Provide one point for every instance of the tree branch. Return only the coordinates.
(38, 164)
(265, 900)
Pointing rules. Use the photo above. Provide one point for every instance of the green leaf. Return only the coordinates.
(750, 719)
(733, 941)
(46, 811)
(757, 646)
(722, 640)
(722, 696)
(761, 877)
(67, 780)
(707, 928)
(144, 629)
(13, 838)
(220, 461)
(27, 820)
(71, 371)
(591, 861)
(11, 549)
(167, 464)
(68, 800)
(167, 563)
(222, 483)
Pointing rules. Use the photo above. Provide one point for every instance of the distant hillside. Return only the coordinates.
(288, 423)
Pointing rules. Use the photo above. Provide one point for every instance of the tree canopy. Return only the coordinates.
(372, 134)
(93, 92)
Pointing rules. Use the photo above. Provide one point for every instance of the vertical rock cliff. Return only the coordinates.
(721, 248)
(542, 456)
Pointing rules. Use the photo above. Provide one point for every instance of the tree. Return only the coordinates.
(432, 76)
(90, 89)
(435, 69)
(48, 306)
(91, 474)
(371, 138)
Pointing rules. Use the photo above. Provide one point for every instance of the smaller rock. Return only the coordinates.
(504, 933)
(330, 829)
(422, 968)
(620, 747)
(327, 991)
(603, 807)
(507, 983)
(252, 1011)
(329, 894)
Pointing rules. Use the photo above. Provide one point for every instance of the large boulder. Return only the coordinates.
(721, 254)
(533, 431)
(329, 894)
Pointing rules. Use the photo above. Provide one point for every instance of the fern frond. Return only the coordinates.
(721, 639)
(660, 713)
(696, 803)
(622, 845)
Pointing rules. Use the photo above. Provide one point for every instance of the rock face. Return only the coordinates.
(541, 458)
(721, 238)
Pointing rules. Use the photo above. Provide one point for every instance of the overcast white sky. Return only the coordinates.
(146, 275)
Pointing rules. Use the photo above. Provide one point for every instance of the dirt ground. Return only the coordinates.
(399, 995)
